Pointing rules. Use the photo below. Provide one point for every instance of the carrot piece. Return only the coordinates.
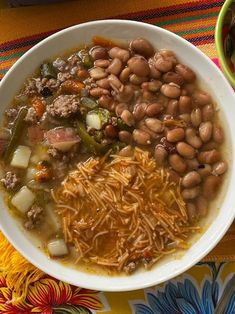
(71, 87)
(38, 104)
(44, 173)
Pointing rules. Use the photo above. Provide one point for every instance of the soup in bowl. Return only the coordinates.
(116, 159)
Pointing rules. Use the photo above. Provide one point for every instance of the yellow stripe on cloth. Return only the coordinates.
(28, 21)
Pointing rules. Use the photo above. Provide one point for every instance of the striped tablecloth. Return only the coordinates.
(197, 291)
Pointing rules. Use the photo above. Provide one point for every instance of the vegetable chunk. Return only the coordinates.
(23, 199)
(57, 247)
(21, 157)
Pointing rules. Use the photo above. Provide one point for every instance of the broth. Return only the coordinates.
(106, 104)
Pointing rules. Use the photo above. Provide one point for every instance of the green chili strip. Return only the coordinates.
(89, 102)
(16, 132)
(48, 71)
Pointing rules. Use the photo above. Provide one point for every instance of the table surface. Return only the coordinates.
(200, 288)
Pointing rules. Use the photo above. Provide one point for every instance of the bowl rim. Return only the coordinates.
(219, 42)
(125, 286)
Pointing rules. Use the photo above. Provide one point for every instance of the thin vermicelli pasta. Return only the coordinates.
(120, 211)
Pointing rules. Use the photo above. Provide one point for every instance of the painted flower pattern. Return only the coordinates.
(50, 296)
(186, 297)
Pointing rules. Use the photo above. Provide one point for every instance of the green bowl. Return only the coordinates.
(220, 45)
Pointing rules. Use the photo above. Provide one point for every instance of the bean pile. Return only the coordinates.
(158, 98)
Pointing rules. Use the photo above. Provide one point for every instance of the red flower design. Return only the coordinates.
(49, 296)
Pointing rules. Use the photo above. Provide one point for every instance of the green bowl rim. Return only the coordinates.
(219, 42)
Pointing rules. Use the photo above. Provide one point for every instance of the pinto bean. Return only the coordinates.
(188, 74)
(177, 163)
(204, 170)
(201, 98)
(185, 104)
(98, 73)
(120, 108)
(152, 86)
(185, 150)
(103, 83)
(141, 137)
(154, 73)
(155, 125)
(137, 80)
(126, 94)
(115, 83)
(170, 90)
(210, 145)
(160, 155)
(154, 109)
(98, 52)
(218, 134)
(139, 111)
(175, 135)
(126, 151)
(115, 66)
(142, 126)
(192, 164)
(148, 96)
(196, 117)
(209, 157)
(127, 117)
(124, 75)
(139, 66)
(192, 211)
(185, 117)
(192, 138)
(207, 112)
(173, 77)
(98, 92)
(173, 176)
(191, 179)
(162, 64)
(105, 101)
(210, 186)
(142, 47)
(168, 55)
(219, 168)
(172, 107)
(119, 53)
(125, 137)
(189, 194)
(205, 131)
(101, 63)
(202, 206)
(110, 131)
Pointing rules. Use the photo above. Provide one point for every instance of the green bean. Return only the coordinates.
(16, 132)
(89, 141)
(48, 71)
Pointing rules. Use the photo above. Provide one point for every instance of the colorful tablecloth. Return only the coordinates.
(199, 289)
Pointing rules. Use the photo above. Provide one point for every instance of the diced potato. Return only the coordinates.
(52, 216)
(93, 120)
(21, 157)
(57, 247)
(23, 199)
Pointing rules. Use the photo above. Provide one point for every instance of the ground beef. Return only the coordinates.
(64, 106)
(11, 113)
(31, 116)
(63, 156)
(34, 215)
(36, 85)
(64, 76)
(10, 181)
(130, 268)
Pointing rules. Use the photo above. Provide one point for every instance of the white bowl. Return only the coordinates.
(207, 73)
